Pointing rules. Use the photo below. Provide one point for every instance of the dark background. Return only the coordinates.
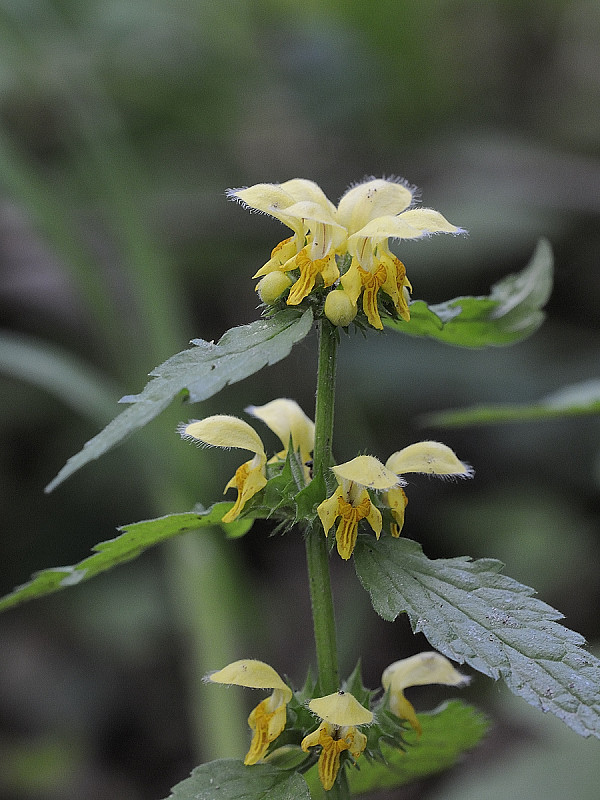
(121, 125)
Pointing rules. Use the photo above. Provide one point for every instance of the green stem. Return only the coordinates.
(317, 556)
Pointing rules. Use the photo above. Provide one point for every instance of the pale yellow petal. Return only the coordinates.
(301, 189)
(413, 224)
(357, 742)
(420, 670)
(374, 520)
(222, 430)
(404, 709)
(328, 510)
(249, 479)
(397, 501)
(429, 221)
(308, 210)
(340, 708)
(252, 674)
(312, 740)
(326, 234)
(432, 458)
(374, 198)
(280, 255)
(271, 198)
(367, 471)
(351, 281)
(285, 418)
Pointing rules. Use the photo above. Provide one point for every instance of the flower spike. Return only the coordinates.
(367, 217)
(268, 719)
(418, 670)
(340, 713)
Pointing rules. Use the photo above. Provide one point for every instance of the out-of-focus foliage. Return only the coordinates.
(122, 123)
(569, 401)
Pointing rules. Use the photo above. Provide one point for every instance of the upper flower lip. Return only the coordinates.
(287, 420)
(367, 471)
(341, 709)
(375, 197)
(420, 670)
(222, 430)
(428, 457)
(376, 208)
(252, 674)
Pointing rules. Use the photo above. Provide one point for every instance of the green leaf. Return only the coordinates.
(448, 732)
(135, 538)
(229, 779)
(309, 498)
(572, 401)
(470, 612)
(198, 374)
(510, 313)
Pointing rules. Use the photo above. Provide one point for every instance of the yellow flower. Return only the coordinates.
(368, 215)
(372, 213)
(283, 416)
(431, 458)
(340, 714)
(351, 501)
(302, 206)
(419, 670)
(268, 719)
(222, 430)
(286, 419)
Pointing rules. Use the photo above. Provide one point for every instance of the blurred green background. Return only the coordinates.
(122, 122)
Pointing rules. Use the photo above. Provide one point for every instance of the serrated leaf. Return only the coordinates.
(229, 779)
(510, 313)
(572, 401)
(198, 373)
(135, 538)
(448, 732)
(470, 612)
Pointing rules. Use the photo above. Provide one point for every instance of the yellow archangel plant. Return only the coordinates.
(360, 227)
(337, 269)
(367, 489)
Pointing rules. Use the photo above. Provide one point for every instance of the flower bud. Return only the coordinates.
(339, 308)
(272, 286)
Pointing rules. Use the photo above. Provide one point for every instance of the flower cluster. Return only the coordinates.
(340, 714)
(352, 502)
(284, 417)
(360, 227)
(359, 480)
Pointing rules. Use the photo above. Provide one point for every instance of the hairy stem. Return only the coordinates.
(316, 544)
